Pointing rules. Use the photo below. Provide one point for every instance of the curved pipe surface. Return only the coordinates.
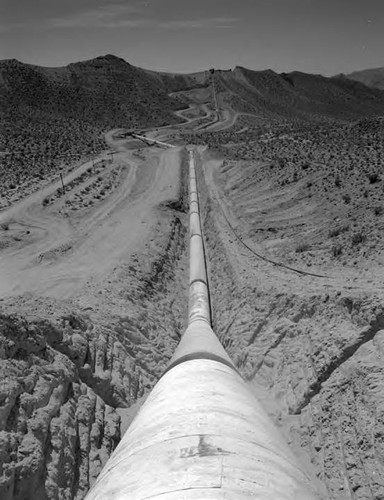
(194, 223)
(199, 303)
(197, 270)
(201, 434)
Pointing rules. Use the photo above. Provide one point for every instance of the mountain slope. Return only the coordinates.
(299, 95)
(371, 77)
(107, 91)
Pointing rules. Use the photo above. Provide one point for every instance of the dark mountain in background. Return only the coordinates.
(371, 77)
(106, 91)
(53, 115)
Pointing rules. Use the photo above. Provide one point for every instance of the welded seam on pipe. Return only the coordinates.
(201, 355)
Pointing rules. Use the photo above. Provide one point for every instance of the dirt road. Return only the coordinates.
(53, 249)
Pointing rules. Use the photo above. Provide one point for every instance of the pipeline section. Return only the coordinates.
(201, 434)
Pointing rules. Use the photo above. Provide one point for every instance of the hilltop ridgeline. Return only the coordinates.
(110, 92)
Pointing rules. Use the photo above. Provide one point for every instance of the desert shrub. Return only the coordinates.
(346, 198)
(281, 162)
(373, 177)
(302, 247)
(337, 250)
(378, 210)
(358, 238)
(338, 230)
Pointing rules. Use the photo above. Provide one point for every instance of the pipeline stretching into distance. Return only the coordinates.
(201, 433)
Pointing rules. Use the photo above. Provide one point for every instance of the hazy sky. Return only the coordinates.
(316, 36)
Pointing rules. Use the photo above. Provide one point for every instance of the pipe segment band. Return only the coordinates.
(197, 270)
(199, 337)
(194, 224)
(193, 198)
(201, 434)
(199, 302)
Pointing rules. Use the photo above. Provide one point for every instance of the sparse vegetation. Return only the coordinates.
(373, 177)
(337, 250)
(358, 238)
(338, 230)
(346, 198)
(302, 247)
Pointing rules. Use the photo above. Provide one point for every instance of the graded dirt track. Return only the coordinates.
(53, 250)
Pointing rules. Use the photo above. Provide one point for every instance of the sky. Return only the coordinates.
(314, 36)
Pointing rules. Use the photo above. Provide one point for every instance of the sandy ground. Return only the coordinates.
(53, 250)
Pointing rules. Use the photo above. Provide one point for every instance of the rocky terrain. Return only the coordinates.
(93, 295)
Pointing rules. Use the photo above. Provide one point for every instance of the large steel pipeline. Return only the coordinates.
(201, 433)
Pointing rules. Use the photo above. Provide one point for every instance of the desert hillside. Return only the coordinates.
(93, 278)
(53, 116)
(297, 95)
(370, 77)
